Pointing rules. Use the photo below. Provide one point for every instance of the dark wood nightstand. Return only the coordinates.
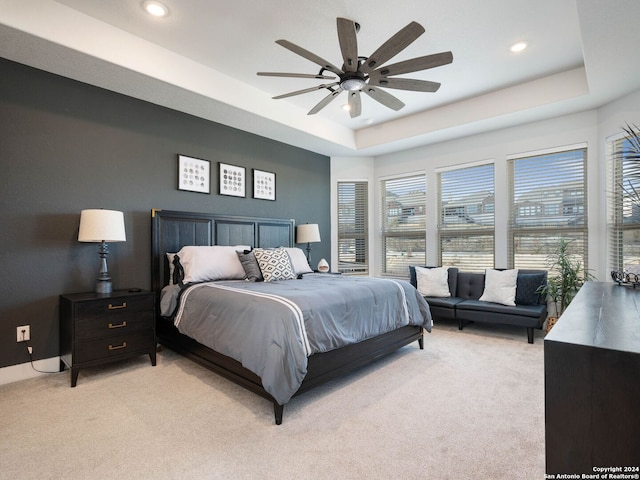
(101, 328)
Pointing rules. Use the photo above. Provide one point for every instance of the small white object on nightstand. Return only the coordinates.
(323, 266)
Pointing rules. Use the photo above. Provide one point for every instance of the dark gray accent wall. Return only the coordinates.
(66, 146)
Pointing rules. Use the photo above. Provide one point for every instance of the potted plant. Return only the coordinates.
(566, 276)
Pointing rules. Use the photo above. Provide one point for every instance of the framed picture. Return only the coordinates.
(194, 174)
(264, 185)
(232, 180)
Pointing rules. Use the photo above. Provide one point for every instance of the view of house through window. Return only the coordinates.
(403, 224)
(548, 202)
(353, 229)
(623, 207)
(466, 221)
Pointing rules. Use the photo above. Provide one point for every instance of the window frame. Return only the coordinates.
(623, 231)
(391, 229)
(360, 232)
(540, 236)
(467, 232)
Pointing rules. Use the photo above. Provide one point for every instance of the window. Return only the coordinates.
(623, 205)
(466, 223)
(548, 202)
(353, 229)
(403, 225)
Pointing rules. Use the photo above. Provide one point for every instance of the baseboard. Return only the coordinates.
(23, 371)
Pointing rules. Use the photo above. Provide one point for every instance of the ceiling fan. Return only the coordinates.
(366, 74)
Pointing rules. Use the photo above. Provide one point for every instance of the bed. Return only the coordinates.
(174, 231)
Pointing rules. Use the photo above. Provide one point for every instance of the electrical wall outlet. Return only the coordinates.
(23, 333)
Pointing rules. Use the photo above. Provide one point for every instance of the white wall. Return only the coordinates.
(591, 128)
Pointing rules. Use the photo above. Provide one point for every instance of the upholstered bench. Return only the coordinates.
(462, 296)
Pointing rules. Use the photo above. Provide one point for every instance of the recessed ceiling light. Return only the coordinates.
(346, 107)
(156, 9)
(518, 47)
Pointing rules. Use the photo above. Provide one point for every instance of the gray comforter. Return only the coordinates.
(271, 328)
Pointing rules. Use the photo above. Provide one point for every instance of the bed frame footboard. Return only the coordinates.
(322, 367)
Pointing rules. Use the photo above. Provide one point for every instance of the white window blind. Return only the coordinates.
(353, 228)
(403, 224)
(623, 206)
(466, 221)
(548, 202)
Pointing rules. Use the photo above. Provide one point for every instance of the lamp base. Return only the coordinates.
(104, 286)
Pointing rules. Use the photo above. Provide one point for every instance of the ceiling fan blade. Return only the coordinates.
(309, 56)
(348, 44)
(405, 84)
(393, 46)
(295, 75)
(355, 104)
(416, 64)
(324, 102)
(383, 97)
(306, 90)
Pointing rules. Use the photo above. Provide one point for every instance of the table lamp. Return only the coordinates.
(308, 233)
(102, 226)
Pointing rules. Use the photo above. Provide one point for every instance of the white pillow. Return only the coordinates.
(433, 282)
(298, 260)
(274, 264)
(209, 263)
(500, 286)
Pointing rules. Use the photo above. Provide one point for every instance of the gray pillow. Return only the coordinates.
(250, 265)
(526, 286)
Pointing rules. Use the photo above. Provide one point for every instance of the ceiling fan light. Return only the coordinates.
(352, 84)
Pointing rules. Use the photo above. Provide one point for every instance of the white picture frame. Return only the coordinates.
(194, 174)
(232, 180)
(264, 185)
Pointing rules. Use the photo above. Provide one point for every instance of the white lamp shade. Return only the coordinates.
(307, 233)
(97, 225)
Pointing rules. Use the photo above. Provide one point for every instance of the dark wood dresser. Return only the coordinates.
(96, 329)
(592, 383)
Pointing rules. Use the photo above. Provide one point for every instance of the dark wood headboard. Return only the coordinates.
(172, 230)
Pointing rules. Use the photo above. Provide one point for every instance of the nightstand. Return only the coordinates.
(96, 329)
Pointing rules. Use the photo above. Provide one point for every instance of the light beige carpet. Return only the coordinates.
(469, 406)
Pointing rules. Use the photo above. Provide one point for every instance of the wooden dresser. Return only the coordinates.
(96, 329)
(592, 383)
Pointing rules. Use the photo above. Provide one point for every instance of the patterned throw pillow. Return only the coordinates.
(274, 264)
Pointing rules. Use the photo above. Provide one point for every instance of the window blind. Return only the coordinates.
(548, 202)
(623, 206)
(353, 228)
(403, 224)
(466, 220)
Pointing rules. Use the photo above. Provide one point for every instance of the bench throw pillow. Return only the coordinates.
(527, 288)
(500, 286)
(433, 282)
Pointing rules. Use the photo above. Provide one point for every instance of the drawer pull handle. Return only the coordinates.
(118, 347)
(123, 324)
(116, 307)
